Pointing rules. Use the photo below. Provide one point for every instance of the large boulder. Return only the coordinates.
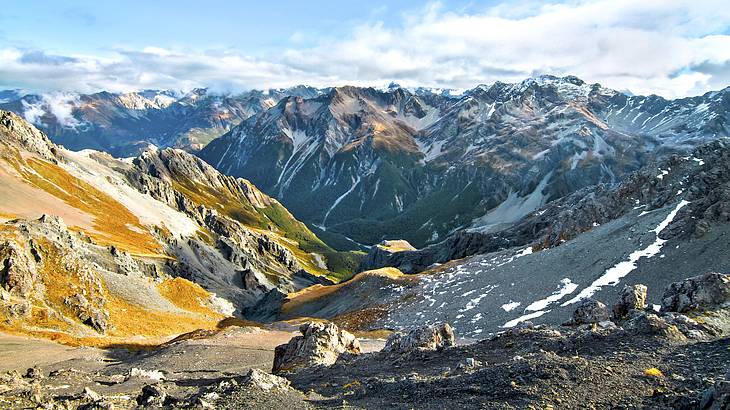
(319, 344)
(708, 291)
(631, 298)
(431, 337)
(590, 311)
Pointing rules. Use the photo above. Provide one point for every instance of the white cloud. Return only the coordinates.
(58, 104)
(668, 47)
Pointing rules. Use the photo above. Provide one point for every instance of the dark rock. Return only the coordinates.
(590, 311)
(431, 337)
(708, 291)
(152, 395)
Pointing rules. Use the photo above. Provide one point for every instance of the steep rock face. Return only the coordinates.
(61, 282)
(419, 166)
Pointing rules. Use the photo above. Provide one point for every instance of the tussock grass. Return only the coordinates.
(114, 224)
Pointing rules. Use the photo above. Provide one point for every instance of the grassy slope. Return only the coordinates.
(277, 220)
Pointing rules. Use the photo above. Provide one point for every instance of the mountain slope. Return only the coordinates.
(152, 220)
(419, 165)
(664, 223)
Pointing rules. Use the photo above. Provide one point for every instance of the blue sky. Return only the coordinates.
(256, 27)
(668, 47)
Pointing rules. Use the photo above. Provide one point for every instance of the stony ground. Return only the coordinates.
(528, 367)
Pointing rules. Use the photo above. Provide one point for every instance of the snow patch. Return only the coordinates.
(613, 275)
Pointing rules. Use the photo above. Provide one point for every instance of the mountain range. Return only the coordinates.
(123, 124)
(419, 165)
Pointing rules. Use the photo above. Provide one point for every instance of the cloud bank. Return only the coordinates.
(673, 48)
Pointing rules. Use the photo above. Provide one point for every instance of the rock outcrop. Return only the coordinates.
(431, 337)
(589, 311)
(631, 298)
(384, 254)
(709, 291)
(319, 344)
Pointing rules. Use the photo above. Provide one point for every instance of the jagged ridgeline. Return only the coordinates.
(148, 246)
(420, 164)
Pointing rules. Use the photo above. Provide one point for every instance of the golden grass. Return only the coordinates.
(131, 320)
(399, 245)
(114, 224)
(311, 293)
(5, 215)
(186, 295)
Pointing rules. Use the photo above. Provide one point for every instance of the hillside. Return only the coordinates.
(420, 165)
(93, 246)
(663, 223)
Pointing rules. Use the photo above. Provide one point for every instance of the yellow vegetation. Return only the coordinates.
(396, 246)
(185, 295)
(653, 372)
(311, 293)
(114, 224)
(61, 276)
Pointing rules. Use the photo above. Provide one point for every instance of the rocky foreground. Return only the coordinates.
(620, 356)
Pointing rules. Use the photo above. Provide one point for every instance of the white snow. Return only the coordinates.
(613, 275)
(356, 182)
(565, 288)
(515, 322)
(508, 307)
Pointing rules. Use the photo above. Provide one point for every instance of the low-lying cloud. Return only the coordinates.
(672, 48)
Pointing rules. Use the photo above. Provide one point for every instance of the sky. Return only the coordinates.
(673, 48)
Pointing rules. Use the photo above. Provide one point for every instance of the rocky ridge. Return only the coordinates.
(400, 164)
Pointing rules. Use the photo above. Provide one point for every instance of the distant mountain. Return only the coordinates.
(124, 124)
(420, 164)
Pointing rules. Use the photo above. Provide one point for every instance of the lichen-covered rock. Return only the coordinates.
(264, 381)
(319, 344)
(708, 291)
(652, 324)
(90, 313)
(431, 337)
(589, 311)
(631, 298)
(17, 269)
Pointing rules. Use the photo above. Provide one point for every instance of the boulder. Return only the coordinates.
(319, 344)
(631, 298)
(652, 324)
(264, 381)
(152, 396)
(431, 337)
(589, 311)
(708, 291)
